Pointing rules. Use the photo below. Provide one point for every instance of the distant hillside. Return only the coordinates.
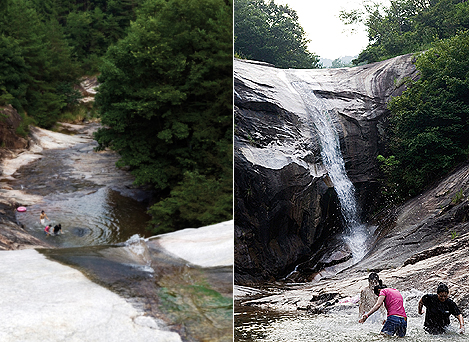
(346, 60)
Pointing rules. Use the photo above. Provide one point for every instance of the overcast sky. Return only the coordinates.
(330, 38)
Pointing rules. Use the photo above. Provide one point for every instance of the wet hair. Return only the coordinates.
(373, 276)
(42, 211)
(379, 287)
(442, 288)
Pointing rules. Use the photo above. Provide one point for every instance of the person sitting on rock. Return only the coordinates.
(438, 309)
(396, 322)
(368, 299)
(57, 229)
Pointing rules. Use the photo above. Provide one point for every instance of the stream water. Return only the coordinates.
(254, 324)
(103, 219)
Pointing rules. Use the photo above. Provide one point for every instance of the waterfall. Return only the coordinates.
(332, 159)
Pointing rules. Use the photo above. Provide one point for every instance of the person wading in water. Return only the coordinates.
(43, 217)
(368, 299)
(396, 322)
(438, 309)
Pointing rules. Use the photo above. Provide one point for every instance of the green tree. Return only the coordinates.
(407, 26)
(338, 63)
(93, 26)
(166, 102)
(12, 71)
(430, 121)
(46, 57)
(52, 43)
(271, 33)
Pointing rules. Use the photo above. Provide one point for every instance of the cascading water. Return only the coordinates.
(334, 163)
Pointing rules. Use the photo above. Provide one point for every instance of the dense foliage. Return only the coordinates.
(271, 33)
(35, 60)
(407, 26)
(430, 121)
(45, 46)
(166, 103)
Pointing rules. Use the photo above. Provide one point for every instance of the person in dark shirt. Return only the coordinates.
(438, 309)
(57, 229)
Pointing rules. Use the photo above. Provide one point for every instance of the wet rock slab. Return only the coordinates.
(59, 303)
(209, 246)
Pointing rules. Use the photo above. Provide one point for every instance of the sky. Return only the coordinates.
(330, 38)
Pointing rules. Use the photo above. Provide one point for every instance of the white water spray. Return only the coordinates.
(136, 246)
(334, 163)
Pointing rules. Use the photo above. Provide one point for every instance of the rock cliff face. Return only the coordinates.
(285, 204)
(9, 122)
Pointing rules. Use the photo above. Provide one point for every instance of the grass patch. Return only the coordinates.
(457, 198)
(79, 113)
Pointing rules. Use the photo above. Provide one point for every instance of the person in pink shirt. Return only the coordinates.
(396, 322)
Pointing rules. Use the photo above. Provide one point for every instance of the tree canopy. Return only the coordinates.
(271, 33)
(407, 26)
(166, 104)
(40, 61)
(47, 45)
(430, 121)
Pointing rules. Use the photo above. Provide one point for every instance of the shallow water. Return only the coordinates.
(81, 191)
(339, 324)
(254, 324)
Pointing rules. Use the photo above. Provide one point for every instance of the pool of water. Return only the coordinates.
(88, 217)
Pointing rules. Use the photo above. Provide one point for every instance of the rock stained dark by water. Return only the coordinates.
(13, 236)
(9, 122)
(284, 208)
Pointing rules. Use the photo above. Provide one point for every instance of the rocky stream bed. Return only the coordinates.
(105, 278)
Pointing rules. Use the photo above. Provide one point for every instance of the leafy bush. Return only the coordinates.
(430, 121)
(23, 129)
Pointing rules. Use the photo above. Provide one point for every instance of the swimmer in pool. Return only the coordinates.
(43, 218)
(58, 229)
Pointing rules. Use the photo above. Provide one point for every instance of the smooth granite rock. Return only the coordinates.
(209, 246)
(48, 301)
(285, 208)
